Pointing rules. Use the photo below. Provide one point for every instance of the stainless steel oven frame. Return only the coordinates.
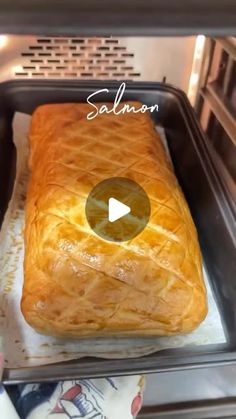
(131, 41)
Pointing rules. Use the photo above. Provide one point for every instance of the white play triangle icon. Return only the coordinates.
(116, 210)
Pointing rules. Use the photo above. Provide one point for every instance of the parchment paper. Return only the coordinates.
(22, 345)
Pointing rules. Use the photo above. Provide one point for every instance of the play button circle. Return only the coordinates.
(117, 209)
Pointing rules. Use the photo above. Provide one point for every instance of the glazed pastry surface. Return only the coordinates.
(77, 284)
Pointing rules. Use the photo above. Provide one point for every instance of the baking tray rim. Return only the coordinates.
(92, 367)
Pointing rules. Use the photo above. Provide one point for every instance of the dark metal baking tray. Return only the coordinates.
(122, 17)
(209, 204)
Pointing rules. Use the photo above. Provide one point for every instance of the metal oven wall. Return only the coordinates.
(129, 58)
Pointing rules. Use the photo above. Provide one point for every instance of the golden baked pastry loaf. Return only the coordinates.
(77, 284)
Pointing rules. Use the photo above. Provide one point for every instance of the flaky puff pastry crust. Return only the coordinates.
(77, 284)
